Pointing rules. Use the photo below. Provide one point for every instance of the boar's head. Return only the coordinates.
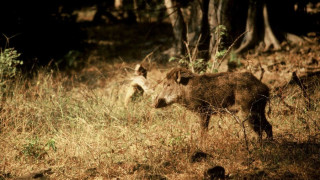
(173, 87)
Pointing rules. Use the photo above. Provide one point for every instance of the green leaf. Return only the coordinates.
(172, 59)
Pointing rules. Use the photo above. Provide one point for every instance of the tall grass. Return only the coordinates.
(51, 121)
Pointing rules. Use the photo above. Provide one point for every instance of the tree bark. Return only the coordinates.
(193, 27)
(251, 18)
(205, 32)
(178, 25)
(251, 27)
(269, 37)
(214, 21)
(118, 4)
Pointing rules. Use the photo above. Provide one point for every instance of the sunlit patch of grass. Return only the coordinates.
(81, 132)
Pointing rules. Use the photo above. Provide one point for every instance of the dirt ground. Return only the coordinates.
(100, 139)
(110, 46)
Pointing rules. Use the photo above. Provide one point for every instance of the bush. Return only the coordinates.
(9, 63)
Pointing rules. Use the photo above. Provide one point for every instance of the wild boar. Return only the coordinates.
(208, 94)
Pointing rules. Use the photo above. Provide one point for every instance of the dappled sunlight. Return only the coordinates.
(64, 113)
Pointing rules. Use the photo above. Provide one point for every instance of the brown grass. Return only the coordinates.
(52, 122)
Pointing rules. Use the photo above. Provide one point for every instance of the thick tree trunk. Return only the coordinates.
(118, 4)
(269, 37)
(230, 17)
(205, 32)
(254, 30)
(193, 28)
(214, 21)
(251, 28)
(194, 31)
(178, 25)
(248, 20)
(205, 37)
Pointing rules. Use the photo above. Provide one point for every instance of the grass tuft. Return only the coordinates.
(79, 132)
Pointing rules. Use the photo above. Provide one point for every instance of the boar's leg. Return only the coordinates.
(205, 118)
(204, 122)
(257, 118)
(267, 126)
(205, 115)
(259, 124)
(261, 119)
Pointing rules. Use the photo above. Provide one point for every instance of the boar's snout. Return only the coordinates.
(160, 102)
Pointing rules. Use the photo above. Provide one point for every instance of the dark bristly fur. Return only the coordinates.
(210, 93)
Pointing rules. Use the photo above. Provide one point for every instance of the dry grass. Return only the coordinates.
(83, 133)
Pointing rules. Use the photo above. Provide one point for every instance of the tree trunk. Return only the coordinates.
(214, 21)
(269, 37)
(251, 28)
(204, 43)
(194, 25)
(118, 4)
(251, 18)
(178, 25)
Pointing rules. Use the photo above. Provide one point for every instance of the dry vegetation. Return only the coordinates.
(61, 129)
(55, 126)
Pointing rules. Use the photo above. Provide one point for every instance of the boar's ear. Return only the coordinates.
(183, 76)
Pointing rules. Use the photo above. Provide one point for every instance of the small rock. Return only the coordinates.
(313, 62)
(216, 172)
(198, 156)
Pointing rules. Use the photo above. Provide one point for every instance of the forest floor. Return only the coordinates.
(73, 124)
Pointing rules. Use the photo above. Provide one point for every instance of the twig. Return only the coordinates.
(262, 71)
(150, 54)
(243, 127)
(229, 48)
(297, 80)
(192, 57)
(189, 54)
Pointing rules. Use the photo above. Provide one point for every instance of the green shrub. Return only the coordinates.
(8, 63)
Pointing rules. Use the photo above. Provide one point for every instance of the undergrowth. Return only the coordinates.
(79, 132)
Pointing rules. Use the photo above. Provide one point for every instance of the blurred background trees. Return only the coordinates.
(212, 26)
(48, 30)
